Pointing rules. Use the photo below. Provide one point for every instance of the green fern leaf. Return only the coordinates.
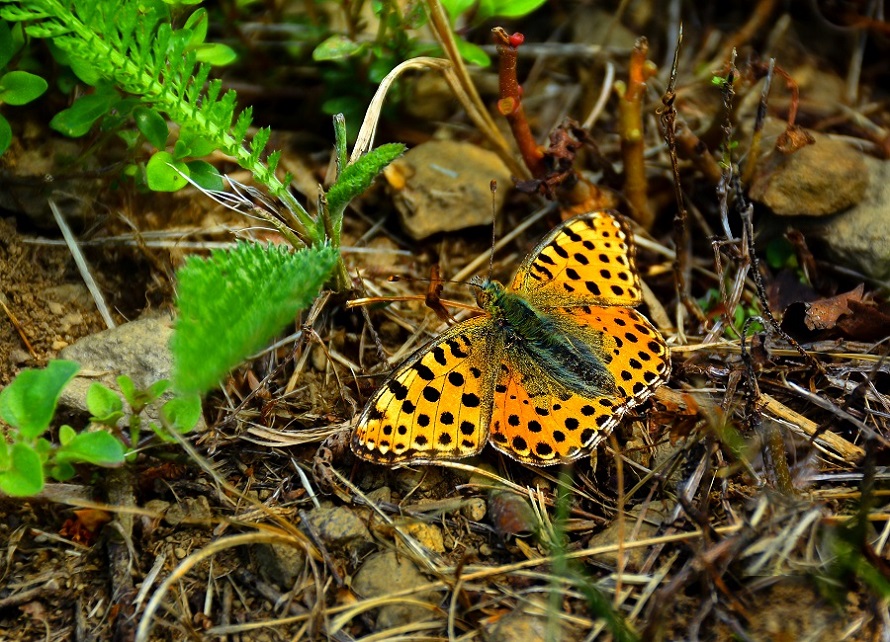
(232, 304)
(357, 178)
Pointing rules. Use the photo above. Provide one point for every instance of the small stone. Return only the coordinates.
(474, 509)
(180, 552)
(634, 557)
(382, 495)
(340, 528)
(816, 180)
(524, 625)
(279, 563)
(428, 535)
(194, 510)
(387, 573)
(443, 186)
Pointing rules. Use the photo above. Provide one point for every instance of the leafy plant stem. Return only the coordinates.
(124, 71)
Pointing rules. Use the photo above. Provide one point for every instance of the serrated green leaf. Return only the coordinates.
(29, 402)
(99, 448)
(21, 87)
(205, 175)
(233, 303)
(152, 125)
(104, 404)
(182, 413)
(356, 178)
(163, 174)
(79, 118)
(337, 47)
(24, 476)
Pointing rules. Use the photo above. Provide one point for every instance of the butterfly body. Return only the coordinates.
(549, 369)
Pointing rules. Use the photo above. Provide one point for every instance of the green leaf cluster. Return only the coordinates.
(28, 406)
(231, 304)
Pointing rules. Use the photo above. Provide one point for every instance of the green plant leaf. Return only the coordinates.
(66, 434)
(77, 120)
(152, 125)
(457, 7)
(506, 8)
(104, 404)
(337, 47)
(205, 175)
(7, 44)
(216, 54)
(24, 475)
(233, 303)
(164, 174)
(128, 390)
(5, 134)
(62, 471)
(99, 448)
(20, 87)
(197, 23)
(198, 145)
(5, 454)
(356, 178)
(473, 54)
(29, 402)
(182, 413)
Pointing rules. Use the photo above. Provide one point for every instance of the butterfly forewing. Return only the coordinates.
(436, 405)
(587, 260)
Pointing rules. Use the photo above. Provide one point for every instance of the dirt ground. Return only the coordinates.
(746, 500)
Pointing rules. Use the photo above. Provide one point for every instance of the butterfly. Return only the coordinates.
(543, 375)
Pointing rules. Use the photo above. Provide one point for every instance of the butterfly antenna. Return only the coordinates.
(493, 186)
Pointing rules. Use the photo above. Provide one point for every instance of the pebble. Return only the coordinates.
(341, 529)
(389, 572)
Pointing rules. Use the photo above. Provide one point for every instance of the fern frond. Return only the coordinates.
(233, 303)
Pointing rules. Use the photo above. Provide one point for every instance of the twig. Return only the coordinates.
(681, 232)
(630, 126)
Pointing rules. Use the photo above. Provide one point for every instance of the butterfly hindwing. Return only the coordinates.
(436, 405)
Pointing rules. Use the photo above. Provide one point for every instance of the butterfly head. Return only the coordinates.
(488, 292)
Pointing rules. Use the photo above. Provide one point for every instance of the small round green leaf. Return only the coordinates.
(152, 125)
(336, 48)
(79, 118)
(205, 175)
(216, 54)
(473, 54)
(29, 402)
(99, 448)
(163, 174)
(182, 413)
(20, 87)
(25, 475)
(104, 404)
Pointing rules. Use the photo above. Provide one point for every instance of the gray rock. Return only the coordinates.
(527, 623)
(858, 238)
(138, 349)
(341, 529)
(387, 573)
(817, 180)
(442, 186)
(279, 563)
